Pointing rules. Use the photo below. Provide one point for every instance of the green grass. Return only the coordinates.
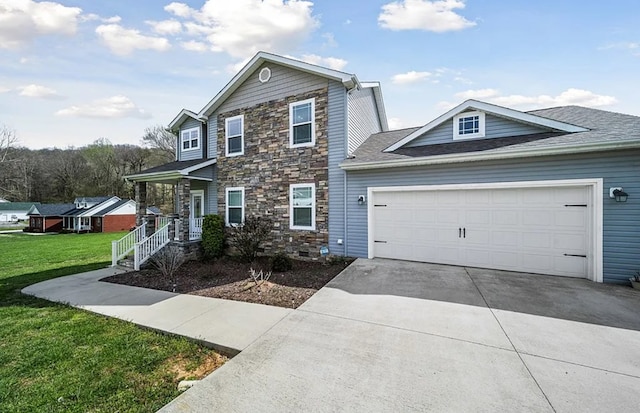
(54, 358)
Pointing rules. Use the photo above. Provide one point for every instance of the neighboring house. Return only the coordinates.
(47, 217)
(487, 186)
(119, 216)
(15, 211)
(79, 218)
(269, 144)
(3, 200)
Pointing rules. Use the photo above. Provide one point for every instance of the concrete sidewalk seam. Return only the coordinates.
(509, 338)
(409, 330)
(580, 365)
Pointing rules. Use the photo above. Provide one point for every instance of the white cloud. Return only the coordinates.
(329, 40)
(165, 27)
(93, 17)
(334, 63)
(123, 41)
(4, 89)
(395, 123)
(39, 91)
(434, 16)
(409, 77)
(194, 46)
(570, 96)
(22, 21)
(114, 107)
(623, 45)
(179, 9)
(241, 28)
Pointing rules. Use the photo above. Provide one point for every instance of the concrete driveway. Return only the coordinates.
(397, 336)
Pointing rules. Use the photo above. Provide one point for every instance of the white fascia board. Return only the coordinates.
(99, 207)
(187, 171)
(182, 116)
(349, 80)
(492, 109)
(474, 157)
(129, 202)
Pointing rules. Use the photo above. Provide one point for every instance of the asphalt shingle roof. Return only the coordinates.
(17, 206)
(110, 208)
(603, 127)
(51, 210)
(172, 166)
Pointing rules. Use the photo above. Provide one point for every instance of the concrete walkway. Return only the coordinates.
(393, 336)
(228, 326)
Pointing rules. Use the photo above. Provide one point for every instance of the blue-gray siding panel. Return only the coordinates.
(284, 82)
(190, 154)
(495, 127)
(212, 194)
(363, 117)
(337, 133)
(212, 137)
(621, 233)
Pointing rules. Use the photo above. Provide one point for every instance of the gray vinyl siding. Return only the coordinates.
(363, 117)
(337, 135)
(621, 234)
(211, 195)
(284, 82)
(212, 137)
(203, 173)
(189, 155)
(495, 127)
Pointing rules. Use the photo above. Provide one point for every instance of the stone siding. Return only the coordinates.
(269, 166)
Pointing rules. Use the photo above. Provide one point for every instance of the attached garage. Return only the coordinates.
(535, 227)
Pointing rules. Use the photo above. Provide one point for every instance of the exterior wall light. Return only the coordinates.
(618, 194)
(362, 199)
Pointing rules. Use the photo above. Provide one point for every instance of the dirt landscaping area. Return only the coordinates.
(229, 279)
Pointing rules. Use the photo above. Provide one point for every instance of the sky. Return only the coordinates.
(74, 71)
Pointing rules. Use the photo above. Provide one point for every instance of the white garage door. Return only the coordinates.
(539, 230)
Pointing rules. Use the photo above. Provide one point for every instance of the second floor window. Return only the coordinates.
(234, 133)
(190, 139)
(302, 123)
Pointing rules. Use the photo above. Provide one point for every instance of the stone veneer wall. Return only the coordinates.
(269, 166)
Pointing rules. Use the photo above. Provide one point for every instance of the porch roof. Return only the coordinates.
(172, 171)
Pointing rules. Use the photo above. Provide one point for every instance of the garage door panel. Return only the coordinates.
(516, 229)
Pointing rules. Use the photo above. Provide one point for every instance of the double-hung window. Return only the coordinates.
(235, 206)
(302, 123)
(190, 139)
(234, 135)
(468, 125)
(302, 198)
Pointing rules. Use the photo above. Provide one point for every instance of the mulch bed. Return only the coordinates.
(229, 279)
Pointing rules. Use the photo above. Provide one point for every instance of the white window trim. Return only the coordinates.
(293, 187)
(313, 123)
(182, 139)
(456, 130)
(226, 135)
(196, 192)
(226, 203)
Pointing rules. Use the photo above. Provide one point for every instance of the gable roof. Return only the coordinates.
(347, 79)
(92, 199)
(50, 210)
(182, 117)
(603, 130)
(496, 110)
(112, 207)
(171, 171)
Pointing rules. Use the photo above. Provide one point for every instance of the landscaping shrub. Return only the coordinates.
(281, 263)
(247, 237)
(213, 236)
(167, 261)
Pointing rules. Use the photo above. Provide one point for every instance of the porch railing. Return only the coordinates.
(162, 221)
(195, 228)
(144, 249)
(123, 246)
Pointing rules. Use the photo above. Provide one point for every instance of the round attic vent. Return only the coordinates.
(265, 75)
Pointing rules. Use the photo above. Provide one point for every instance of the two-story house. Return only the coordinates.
(269, 144)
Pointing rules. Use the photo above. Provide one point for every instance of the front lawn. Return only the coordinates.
(54, 358)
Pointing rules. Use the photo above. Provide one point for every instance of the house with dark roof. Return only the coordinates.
(15, 211)
(47, 217)
(269, 145)
(551, 191)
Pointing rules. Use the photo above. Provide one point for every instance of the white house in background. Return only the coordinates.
(15, 211)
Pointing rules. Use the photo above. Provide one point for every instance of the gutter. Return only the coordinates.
(475, 157)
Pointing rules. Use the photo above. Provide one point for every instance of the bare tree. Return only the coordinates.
(159, 138)
(8, 139)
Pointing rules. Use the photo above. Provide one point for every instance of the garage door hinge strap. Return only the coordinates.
(576, 205)
(575, 255)
(379, 205)
(381, 242)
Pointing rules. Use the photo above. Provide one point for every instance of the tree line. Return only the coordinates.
(97, 169)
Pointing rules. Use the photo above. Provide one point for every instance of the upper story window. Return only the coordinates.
(302, 200)
(190, 139)
(234, 135)
(468, 125)
(302, 123)
(234, 206)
